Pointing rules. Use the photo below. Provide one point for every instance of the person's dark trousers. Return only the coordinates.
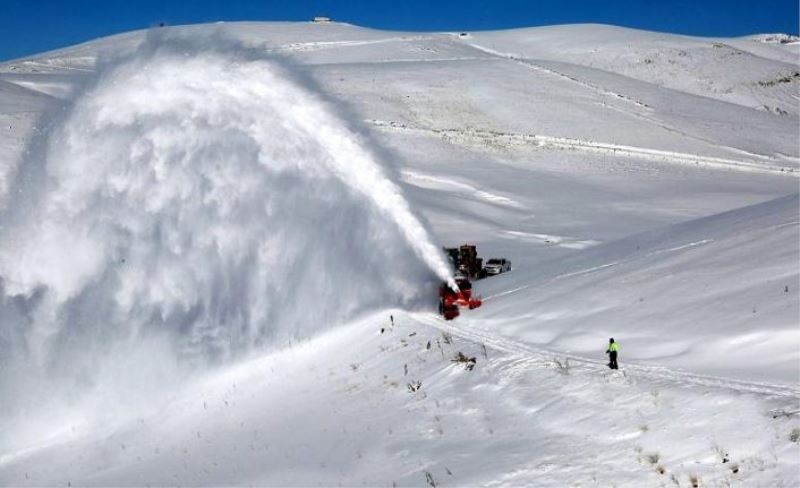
(613, 360)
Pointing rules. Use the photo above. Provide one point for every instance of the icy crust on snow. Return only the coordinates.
(195, 203)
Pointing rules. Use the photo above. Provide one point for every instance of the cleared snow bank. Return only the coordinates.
(195, 203)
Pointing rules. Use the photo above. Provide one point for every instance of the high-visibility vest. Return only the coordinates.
(613, 347)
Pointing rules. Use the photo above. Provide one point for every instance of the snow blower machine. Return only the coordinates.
(466, 265)
(450, 300)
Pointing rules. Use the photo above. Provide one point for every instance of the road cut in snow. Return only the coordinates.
(785, 165)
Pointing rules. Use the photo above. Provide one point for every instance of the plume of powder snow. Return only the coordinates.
(199, 202)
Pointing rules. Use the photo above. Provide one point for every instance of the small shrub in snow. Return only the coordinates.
(469, 362)
(429, 479)
(562, 368)
(784, 413)
(414, 386)
(723, 455)
(694, 481)
(447, 338)
(795, 435)
(783, 79)
(653, 458)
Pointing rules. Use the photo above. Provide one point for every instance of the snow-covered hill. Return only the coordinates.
(710, 313)
(756, 76)
(205, 229)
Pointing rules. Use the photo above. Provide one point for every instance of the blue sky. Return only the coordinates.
(31, 26)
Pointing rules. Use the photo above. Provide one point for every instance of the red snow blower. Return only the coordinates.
(450, 300)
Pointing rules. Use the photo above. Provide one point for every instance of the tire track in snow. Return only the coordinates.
(554, 278)
(539, 357)
(542, 69)
(508, 139)
(680, 248)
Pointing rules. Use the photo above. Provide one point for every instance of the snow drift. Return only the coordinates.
(193, 203)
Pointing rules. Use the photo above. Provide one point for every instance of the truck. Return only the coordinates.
(465, 260)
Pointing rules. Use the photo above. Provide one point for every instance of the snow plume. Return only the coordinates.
(194, 203)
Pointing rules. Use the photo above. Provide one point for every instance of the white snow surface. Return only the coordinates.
(205, 229)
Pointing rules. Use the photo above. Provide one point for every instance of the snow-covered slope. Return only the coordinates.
(757, 75)
(338, 409)
(204, 230)
(724, 297)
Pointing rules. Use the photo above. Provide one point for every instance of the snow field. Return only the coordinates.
(338, 409)
(199, 249)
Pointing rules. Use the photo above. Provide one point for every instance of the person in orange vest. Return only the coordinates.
(613, 349)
